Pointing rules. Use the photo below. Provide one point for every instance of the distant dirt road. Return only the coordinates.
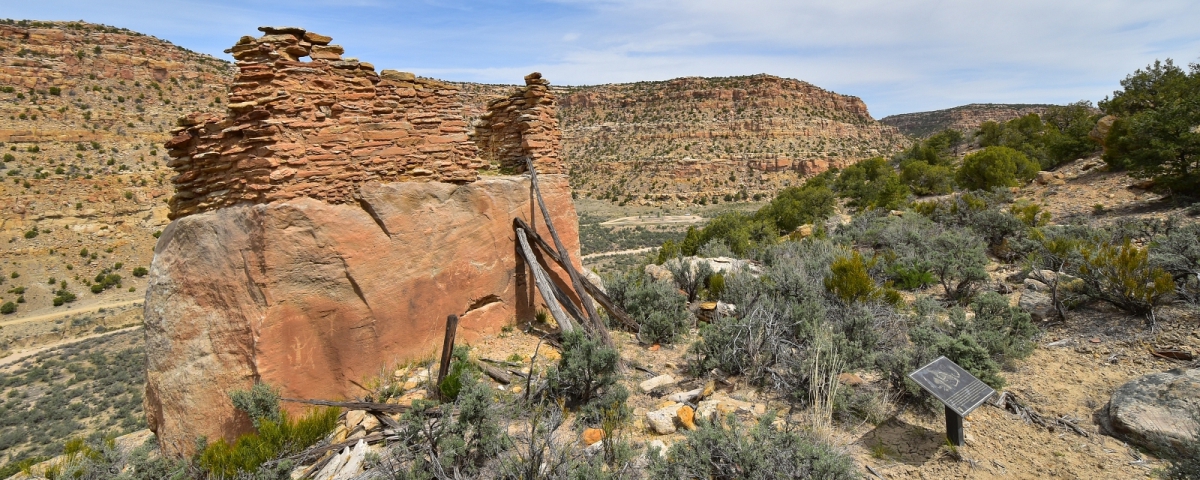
(648, 220)
(617, 252)
(54, 315)
(18, 356)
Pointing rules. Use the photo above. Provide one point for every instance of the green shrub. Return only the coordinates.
(1005, 331)
(925, 179)
(261, 403)
(586, 368)
(906, 278)
(273, 440)
(960, 265)
(796, 206)
(849, 280)
(1178, 253)
(460, 366)
(140, 271)
(715, 285)
(1154, 135)
(871, 183)
(657, 306)
(723, 450)
(431, 434)
(1123, 277)
(995, 167)
(8, 307)
(31, 233)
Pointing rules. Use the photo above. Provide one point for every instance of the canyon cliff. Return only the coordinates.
(702, 138)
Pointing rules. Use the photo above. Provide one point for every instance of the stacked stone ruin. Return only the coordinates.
(320, 128)
(523, 124)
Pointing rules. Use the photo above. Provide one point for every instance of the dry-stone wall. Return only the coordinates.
(522, 125)
(319, 128)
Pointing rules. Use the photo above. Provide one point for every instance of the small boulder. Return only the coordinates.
(1155, 411)
(1044, 177)
(1038, 304)
(592, 435)
(656, 382)
(355, 417)
(370, 423)
(659, 273)
(662, 421)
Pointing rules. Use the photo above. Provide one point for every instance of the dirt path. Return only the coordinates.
(54, 315)
(646, 220)
(617, 252)
(18, 356)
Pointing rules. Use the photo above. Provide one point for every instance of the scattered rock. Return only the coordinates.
(1044, 177)
(1038, 304)
(850, 379)
(662, 421)
(1155, 411)
(656, 382)
(592, 435)
(707, 408)
(687, 417)
(659, 273)
(657, 444)
(354, 418)
(686, 397)
(370, 423)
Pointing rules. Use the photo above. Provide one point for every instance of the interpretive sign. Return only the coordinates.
(960, 391)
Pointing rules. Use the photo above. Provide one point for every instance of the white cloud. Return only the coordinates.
(899, 56)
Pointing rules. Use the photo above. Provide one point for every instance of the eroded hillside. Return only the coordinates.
(966, 118)
(699, 140)
(84, 110)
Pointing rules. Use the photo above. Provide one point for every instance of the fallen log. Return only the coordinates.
(498, 375)
(368, 406)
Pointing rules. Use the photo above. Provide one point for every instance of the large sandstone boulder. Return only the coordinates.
(1156, 411)
(311, 297)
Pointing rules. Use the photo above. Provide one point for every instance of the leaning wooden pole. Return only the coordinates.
(602, 298)
(593, 317)
(544, 284)
(447, 348)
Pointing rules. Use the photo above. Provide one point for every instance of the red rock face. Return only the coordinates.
(325, 228)
(309, 297)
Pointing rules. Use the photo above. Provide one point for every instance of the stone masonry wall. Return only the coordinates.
(320, 128)
(523, 124)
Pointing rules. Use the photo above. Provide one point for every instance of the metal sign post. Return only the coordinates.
(960, 391)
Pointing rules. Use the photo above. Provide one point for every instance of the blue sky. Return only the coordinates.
(899, 56)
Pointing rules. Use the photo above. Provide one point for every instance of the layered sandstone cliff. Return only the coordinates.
(966, 118)
(693, 138)
(325, 228)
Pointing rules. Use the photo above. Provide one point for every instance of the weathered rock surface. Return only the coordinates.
(1155, 411)
(966, 118)
(310, 296)
(693, 138)
(660, 381)
(1038, 304)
